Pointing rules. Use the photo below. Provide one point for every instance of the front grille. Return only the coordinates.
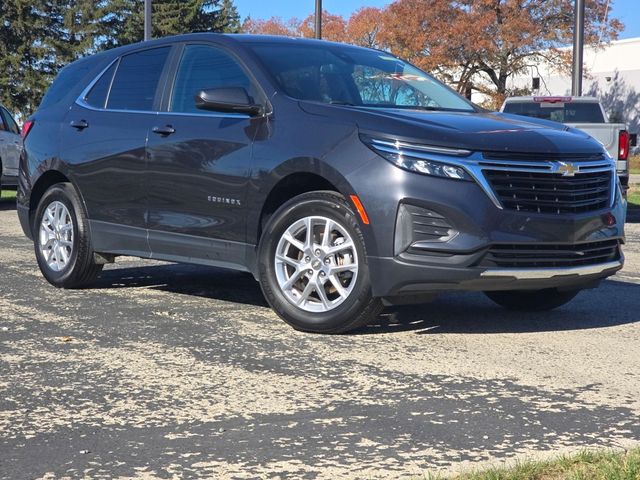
(550, 192)
(536, 255)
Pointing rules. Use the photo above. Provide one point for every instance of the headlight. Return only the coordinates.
(424, 159)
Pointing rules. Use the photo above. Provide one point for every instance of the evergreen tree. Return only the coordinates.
(38, 37)
(26, 59)
(124, 19)
(229, 18)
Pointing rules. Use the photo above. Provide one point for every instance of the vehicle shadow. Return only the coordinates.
(451, 313)
(633, 215)
(7, 204)
(473, 312)
(194, 280)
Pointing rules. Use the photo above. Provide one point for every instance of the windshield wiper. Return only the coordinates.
(340, 102)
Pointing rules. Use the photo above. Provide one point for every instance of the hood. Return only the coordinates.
(477, 131)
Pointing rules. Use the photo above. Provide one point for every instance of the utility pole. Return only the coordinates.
(147, 20)
(318, 19)
(578, 48)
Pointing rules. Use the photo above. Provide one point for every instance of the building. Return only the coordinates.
(612, 73)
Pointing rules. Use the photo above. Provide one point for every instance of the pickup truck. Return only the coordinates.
(583, 113)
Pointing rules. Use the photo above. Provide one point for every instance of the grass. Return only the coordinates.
(8, 194)
(587, 465)
(634, 164)
(633, 197)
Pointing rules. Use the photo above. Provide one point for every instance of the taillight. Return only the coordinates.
(26, 128)
(623, 145)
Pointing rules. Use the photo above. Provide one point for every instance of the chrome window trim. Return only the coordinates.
(82, 102)
(475, 164)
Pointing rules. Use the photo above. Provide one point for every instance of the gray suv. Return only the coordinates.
(340, 177)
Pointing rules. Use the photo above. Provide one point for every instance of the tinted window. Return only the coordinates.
(355, 76)
(136, 81)
(97, 97)
(66, 81)
(9, 122)
(203, 67)
(3, 127)
(563, 112)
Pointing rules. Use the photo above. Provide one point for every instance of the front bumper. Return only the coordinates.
(471, 226)
(395, 277)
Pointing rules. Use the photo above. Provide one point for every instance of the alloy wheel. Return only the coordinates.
(316, 264)
(56, 236)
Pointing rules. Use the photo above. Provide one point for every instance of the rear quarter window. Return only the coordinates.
(69, 79)
(97, 97)
(563, 112)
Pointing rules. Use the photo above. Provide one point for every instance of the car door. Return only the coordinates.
(103, 142)
(10, 144)
(200, 162)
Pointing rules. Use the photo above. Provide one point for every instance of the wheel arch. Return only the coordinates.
(42, 184)
(290, 184)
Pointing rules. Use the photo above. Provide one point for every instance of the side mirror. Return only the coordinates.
(229, 99)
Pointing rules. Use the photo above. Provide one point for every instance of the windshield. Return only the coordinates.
(355, 76)
(567, 112)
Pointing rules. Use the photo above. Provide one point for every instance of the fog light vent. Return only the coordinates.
(417, 224)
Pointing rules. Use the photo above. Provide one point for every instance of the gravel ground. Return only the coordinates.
(174, 371)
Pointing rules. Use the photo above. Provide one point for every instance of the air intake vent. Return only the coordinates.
(540, 256)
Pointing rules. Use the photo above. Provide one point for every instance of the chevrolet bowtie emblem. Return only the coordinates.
(567, 169)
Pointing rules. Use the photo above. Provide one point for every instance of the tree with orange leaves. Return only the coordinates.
(481, 43)
(364, 27)
(272, 26)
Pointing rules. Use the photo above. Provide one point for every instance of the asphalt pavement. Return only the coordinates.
(177, 371)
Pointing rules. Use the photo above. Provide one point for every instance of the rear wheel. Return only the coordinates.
(532, 300)
(313, 268)
(62, 241)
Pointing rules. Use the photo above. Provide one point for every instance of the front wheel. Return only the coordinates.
(313, 268)
(62, 241)
(532, 300)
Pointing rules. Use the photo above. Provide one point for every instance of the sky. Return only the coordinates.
(626, 10)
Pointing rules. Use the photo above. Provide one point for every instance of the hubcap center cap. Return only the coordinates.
(316, 264)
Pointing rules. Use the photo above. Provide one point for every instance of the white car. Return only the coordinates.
(10, 149)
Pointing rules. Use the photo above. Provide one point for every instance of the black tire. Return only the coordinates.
(358, 308)
(532, 300)
(81, 270)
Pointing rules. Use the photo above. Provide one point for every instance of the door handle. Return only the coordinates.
(164, 131)
(79, 124)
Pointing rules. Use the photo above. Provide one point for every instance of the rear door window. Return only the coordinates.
(137, 79)
(204, 67)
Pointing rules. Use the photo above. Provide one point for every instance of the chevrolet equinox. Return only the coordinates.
(341, 177)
